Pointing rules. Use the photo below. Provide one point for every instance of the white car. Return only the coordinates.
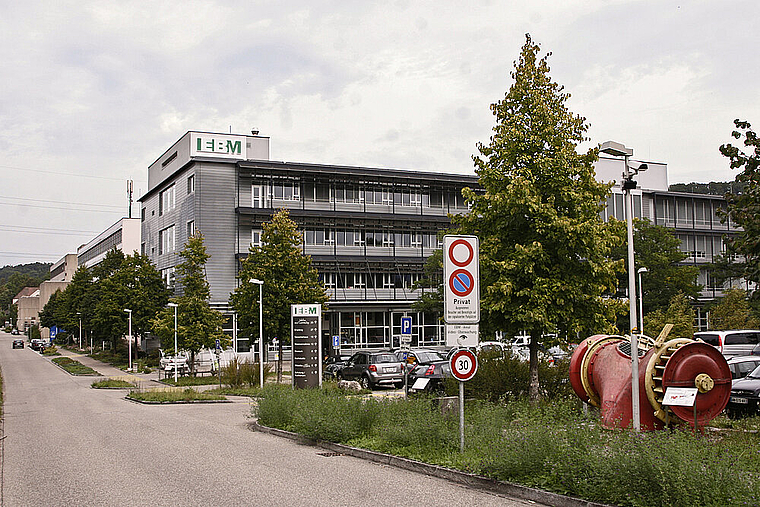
(169, 363)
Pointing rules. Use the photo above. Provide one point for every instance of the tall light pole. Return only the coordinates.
(260, 283)
(80, 330)
(619, 150)
(176, 366)
(129, 339)
(641, 299)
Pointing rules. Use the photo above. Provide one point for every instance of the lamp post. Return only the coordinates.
(129, 339)
(619, 150)
(641, 299)
(175, 305)
(260, 283)
(80, 330)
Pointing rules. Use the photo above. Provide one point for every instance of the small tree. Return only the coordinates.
(679, 313)
(732, 311)
(288, 276)
(198, 325)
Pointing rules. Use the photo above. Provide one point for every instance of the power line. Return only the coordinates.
(59, 202)
(47, 228)
(57, 207)
(51, 232)
(64, 173)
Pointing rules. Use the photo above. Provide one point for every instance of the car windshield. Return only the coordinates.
(755, 373)
(429, 357)
(385, 358)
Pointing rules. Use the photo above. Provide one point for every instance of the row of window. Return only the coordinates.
(687, 212)
(167, 198)
(167, 238)
(104, 246)
(369, 238)
(261, 195)
(362, 280)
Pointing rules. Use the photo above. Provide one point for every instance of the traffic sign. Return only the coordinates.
(461, 273)
(406, 325)
(462, 335)
(464, 364)
(336, 341)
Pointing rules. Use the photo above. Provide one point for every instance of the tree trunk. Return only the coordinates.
(279, 361)
(192, 362)
(533, 388)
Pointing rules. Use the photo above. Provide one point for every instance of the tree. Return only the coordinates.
(198, 325)
(744, 207)
(431, 285)
(657, 249)
(679, 313)
(288, 276)
(545, 251)
(79, 301)
(732, 311)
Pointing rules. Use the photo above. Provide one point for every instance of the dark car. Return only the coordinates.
(414, 357)
(37, 344)
(745, 395)
(741, 366)
(429, 378)
(372, 369)
(333, 364)
(18, 344)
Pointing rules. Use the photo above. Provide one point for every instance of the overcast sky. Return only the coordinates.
(92, 92)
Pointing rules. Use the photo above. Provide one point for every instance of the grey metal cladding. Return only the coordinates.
(215, 185)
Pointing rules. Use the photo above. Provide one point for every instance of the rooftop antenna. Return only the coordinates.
(130, 185)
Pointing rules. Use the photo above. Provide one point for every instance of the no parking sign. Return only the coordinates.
(461, 275)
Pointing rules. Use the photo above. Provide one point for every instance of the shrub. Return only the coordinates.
(243, 373)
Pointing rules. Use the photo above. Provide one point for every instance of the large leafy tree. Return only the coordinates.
(545, 251)
(288, 276)
(744, 207)
(657, 249)
(78, 303)
(678, 312)
(198, 325)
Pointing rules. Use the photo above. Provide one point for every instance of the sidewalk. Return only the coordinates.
(142, 380)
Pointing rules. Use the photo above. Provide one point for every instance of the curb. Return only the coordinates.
(96, 374)
(469, 480)
(194, 402)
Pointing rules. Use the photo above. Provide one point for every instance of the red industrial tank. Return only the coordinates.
(600, 374)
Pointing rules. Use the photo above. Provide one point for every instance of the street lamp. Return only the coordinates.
(175, 305)
(260, 283)
(641, 299)
(80, 330)
(619, 150)
(129, 339)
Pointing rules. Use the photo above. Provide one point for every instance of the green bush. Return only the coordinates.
(73, 367)
(185, 395)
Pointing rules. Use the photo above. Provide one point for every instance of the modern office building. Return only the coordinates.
(63, 270)
(124, 235)
(367, 230)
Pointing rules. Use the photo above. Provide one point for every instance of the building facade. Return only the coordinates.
(124, 235)
(367, 230)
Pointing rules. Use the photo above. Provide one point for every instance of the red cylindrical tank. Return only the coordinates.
(600, 374)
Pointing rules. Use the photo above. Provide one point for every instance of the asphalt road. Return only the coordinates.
(69, 445)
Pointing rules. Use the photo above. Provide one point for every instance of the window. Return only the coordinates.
(287, 191)
(329, 280)
(256, 238)
(166, 200)
(257, 196)
(142, 215)
(166, 240)
(190, 228)
(167, 275)
(191, 184)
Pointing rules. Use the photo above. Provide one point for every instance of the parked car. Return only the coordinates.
(18, 344)
(14, 331)
(169, 363)
(735, 342)
(333, 364)
(429, 378)
(372, 369)
(37, 344)
(413, 357)
(741, 366)
(745, 395)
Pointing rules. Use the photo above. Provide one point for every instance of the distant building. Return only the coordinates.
(64, 269)
(124, 235)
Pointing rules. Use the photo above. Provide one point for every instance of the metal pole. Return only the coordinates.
(641, 302)
(176, 353)
(234, 333)
(632, 301)
(461, 416)
(261, 334)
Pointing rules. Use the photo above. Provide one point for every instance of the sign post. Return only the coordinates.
(306, 331)
(464, 365)
(406, 341)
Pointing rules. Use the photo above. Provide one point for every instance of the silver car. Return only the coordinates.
(372, 369)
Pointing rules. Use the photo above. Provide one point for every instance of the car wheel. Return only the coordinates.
(339, 376)
(365, 382)
(399, 385)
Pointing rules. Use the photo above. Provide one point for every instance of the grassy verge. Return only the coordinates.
(174, 396)
(51, 351)
(73, 367)
(110, 383)
(553, 447)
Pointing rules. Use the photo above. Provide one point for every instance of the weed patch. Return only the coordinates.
(73, 367)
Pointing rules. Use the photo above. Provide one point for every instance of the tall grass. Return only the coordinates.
(554, 446)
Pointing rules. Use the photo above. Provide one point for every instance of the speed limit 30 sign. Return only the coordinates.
(464, 364)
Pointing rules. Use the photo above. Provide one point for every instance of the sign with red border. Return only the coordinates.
(464, 365)
(461, 274)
